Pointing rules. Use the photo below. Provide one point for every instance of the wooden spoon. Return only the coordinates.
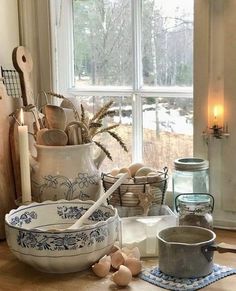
(56, 117)
(39, 136)
(52, 137)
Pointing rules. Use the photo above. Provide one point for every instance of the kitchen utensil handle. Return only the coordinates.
(101, 200)
(223, 248)
(207, 250)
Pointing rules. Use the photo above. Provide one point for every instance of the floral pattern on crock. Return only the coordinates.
(26, 217)
(81, 182)
(60, 242)
(75, 212)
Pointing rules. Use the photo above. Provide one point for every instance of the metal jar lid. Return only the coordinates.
(191, 164)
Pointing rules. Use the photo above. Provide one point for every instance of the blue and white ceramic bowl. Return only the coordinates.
(60, 252)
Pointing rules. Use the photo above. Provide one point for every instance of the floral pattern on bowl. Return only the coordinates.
(26, 217)
(76, 212)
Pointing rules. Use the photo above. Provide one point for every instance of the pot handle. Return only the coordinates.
(220, 248)
(223, 248)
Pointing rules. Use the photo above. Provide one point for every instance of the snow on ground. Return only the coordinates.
(169, 120)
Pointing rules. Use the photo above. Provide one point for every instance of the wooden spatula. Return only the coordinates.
(23, 64)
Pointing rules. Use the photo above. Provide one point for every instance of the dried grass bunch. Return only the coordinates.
(90, 127)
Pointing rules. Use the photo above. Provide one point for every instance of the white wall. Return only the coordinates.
(215, 73)
(9, 31)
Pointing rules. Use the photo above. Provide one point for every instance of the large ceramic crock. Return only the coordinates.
(66, 172)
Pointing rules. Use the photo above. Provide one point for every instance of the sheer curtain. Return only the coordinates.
(35, 34)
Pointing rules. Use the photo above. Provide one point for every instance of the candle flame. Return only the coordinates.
(218, 111)
(21, 117)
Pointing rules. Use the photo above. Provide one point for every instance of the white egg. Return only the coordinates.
(143, 171)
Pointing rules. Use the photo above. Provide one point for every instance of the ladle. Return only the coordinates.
(95, 206)
(51, 137)
(55, 116)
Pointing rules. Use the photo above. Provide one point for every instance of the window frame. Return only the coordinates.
(64, 12)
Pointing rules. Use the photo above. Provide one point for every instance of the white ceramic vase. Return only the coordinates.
(66, 172)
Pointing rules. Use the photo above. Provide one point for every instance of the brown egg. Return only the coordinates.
(132, 253)
(125, 170)
(106, 259)
(115, 171)
(133, 168)
(118, 258)
(101, 269)
(134, 265)
(113, 250)
(123, 276)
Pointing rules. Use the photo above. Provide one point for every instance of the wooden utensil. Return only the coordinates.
(74, 134)
(52, 137)
(39, 136)
(23, 64)
(55, 116)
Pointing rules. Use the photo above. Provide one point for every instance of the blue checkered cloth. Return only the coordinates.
(156, 277)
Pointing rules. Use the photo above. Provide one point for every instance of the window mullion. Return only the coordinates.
(137, 82)
(62, 40)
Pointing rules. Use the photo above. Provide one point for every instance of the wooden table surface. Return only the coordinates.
(15, 275)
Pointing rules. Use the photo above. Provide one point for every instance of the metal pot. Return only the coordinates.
(187, 251)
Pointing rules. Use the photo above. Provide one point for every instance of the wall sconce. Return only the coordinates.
(218, 129)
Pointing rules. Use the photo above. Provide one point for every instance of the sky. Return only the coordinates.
(169, 6)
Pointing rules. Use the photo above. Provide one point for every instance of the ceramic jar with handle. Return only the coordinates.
(66, 172)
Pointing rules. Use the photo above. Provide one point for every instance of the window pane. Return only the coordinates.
(167, 42)
(122, 116)
(102, 42)
(167, 130)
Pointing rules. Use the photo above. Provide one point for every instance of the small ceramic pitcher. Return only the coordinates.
(66, 172)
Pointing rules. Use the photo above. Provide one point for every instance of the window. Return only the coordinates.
(140, 54)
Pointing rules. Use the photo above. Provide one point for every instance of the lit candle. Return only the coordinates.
(24, 160)
(218, 114)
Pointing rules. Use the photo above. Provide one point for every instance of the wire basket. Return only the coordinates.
(129, 194)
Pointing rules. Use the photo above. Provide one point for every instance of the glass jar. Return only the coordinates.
(190, 176)
(195, 209)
